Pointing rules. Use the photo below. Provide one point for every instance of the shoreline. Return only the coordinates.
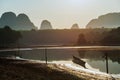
(13, 69)
(88, 48)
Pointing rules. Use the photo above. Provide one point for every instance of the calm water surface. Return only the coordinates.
(95, 56)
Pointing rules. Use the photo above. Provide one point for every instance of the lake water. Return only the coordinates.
(95, 56)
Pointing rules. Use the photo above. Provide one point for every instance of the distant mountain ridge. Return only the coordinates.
(45, 25)
(110, 20)
(75, 26)
(20, 22)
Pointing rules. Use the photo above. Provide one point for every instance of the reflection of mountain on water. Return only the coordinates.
(100, 55)
(114, 56)
(92, 55)
(97, 59)
(62, 54)
(52, 54)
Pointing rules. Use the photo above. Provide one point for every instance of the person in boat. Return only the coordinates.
(79, 61)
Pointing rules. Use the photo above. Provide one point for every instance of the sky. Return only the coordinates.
(61, 13)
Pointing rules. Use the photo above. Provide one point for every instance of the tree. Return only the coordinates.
(81, 40)
(113, 37)
(8, 36)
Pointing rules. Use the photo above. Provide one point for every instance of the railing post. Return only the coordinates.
(18, 49)
(45, 55)
(106, 57)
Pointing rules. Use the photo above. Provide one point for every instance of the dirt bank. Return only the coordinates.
(12, 69)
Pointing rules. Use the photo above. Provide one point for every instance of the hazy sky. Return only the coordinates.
(61, 13)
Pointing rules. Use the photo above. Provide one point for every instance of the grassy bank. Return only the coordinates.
(11, 69)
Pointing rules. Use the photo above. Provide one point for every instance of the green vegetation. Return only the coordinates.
(81, 40)
(112, 38)
(8, 37)
(81, 37)
(62, 37)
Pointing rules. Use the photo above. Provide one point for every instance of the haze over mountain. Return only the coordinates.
(45, 25)
(110, 20)
(75, 26)
(20, 22)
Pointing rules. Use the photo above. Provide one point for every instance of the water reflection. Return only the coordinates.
(95, 58)
(114, 56)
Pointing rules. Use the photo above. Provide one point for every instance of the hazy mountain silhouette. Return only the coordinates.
(20, 22)
(45, 25)
(110, 20)
(75, 26)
